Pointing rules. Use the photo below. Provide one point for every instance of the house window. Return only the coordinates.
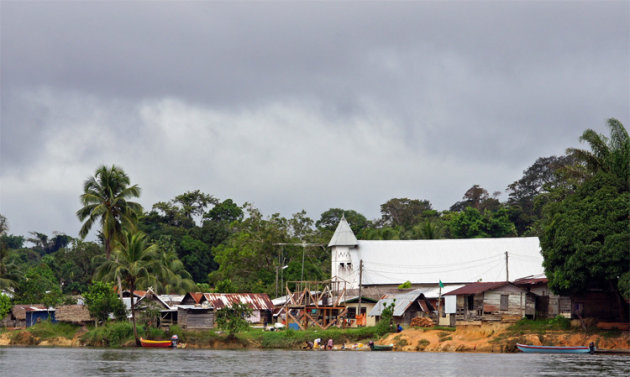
(349, 266)
(342, 266)
(352, 312)
(471, 302)
(504, 302)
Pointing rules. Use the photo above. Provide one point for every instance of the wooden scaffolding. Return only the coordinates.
(316, 303)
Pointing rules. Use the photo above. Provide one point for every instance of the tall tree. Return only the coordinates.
(477, 197)
(135, 261)
(330, 219)
(7, 279)
(404, 212)
(105, 198)
(524, 196)
(585, 238)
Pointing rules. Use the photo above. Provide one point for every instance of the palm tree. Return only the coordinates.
(135, 260)
(105, 198)
(610, 155)
(176, 279)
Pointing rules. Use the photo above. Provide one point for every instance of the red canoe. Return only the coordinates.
(155, 343)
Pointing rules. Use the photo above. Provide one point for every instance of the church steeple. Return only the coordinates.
(343, 236)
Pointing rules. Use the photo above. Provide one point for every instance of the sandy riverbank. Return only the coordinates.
(486, 338)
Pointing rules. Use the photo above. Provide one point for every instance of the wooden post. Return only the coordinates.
(360, 281)
(507, 271)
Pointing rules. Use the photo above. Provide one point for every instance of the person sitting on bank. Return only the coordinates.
(399, 328)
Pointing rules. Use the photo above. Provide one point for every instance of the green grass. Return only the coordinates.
(540, 326)
(297, 338)
(48, 330)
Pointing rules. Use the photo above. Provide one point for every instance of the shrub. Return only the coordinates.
(113, 334)
(47, 330)
(422, 344)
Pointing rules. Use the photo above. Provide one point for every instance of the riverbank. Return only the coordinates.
(481, 338)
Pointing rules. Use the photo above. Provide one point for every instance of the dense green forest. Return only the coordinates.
(577, 203)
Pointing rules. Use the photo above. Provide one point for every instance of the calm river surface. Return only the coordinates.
(180, 362)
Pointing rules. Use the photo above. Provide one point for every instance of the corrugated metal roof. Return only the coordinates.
(171, 299)
(343, 236)
(451, 261)
(401, 303)
(532, 280)
(480, 287)
(257, 301)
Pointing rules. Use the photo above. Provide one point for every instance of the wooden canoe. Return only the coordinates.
(381, 347)
(552, 349)
(155, 343)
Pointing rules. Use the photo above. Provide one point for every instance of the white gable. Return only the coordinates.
(451, 261)
(343, 236)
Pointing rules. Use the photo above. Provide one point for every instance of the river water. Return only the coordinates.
(39, 361)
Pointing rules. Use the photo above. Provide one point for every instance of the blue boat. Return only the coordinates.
(555, 349)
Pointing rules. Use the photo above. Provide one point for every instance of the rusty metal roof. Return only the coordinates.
(479, 287)
(257, 301)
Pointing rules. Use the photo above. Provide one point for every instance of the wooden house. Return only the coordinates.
(195, 316)
(491, 301)
(153, 302)
(77, 314)
(356, 318)
(407, 306)
(548, 304)
(260, 303)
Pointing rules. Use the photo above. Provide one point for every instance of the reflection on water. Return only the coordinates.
(178, 362)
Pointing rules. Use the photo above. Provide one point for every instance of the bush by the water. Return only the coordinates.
(48, 330)
(113, 334)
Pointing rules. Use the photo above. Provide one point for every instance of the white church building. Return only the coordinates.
(427, 262)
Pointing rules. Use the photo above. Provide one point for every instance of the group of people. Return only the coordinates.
(317, 344)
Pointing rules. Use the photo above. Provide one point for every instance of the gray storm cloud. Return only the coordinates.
(297, 105)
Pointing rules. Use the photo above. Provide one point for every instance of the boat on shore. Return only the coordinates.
(156, 343)
(555, 349)
(381, 347)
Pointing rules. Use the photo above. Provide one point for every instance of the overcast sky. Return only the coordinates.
(297, 105)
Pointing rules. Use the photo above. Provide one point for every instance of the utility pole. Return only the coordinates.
(304, 245)
(507, 271)
(360, 281)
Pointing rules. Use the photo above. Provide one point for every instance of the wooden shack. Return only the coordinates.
(152, 302)
(548, 304)
(195, 317)
(77, 314)
(493, 301)
(407, 305)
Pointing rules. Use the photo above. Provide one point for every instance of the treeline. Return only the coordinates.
(577, 203)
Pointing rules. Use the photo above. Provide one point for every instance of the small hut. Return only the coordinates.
(195, 316)
(76, 314)
(492, 301)
(407, 306)
(17, 317)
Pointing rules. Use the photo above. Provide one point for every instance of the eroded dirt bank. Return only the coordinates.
(496, 338)
(486, 338)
